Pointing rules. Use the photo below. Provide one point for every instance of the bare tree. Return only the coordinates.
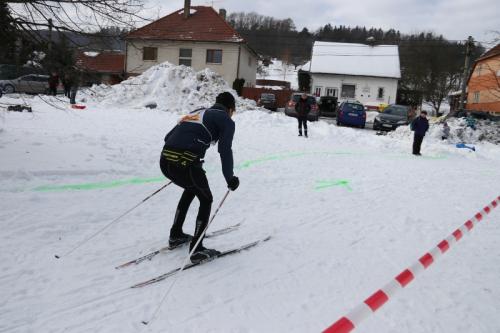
(78, 16)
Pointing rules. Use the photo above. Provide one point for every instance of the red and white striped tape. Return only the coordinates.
(354, 318)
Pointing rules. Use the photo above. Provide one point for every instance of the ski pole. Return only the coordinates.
(185, 262)
(113, 222)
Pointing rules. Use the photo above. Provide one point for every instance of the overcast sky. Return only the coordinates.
(454, 19)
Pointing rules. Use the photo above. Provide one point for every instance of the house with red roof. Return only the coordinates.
(101, 67)
(195, 36)
(483, 86)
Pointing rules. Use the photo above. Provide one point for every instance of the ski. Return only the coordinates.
(191, 265)
(167, 248)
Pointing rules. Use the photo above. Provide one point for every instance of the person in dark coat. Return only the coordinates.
(74, 83)
(419, 125)
(182, 162)
(53, 83)
(303, 107)
(67, 82)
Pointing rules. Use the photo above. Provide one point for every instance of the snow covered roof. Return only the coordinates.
(355, 59)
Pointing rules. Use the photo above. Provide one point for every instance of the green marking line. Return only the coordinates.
(97, 186)
(322, 184)
(241, 166)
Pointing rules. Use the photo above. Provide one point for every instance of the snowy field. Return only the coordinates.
(347, 210)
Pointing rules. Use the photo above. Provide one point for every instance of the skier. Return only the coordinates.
(181, 161)
(419, 125)
(303, 107)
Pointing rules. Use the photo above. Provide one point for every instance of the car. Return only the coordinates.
(393, 116)
(328, 106)
(32, 83)
(351, 113)
(268, 101)
(290, 107)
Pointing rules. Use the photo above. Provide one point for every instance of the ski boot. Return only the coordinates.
(178, 240)
(202, 254)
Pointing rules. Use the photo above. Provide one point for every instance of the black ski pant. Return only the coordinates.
(302, 122)
(195, 184)
(417, 143)
(72, 95)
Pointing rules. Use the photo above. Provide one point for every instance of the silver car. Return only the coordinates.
(32, 84)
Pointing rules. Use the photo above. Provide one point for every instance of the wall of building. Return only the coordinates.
(169, 51)
(248, 67)
(484, 86)
(366, 88)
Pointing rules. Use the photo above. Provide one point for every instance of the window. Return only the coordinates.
(185, 56)
(380, 93)
(317, 91)
(332, 92)
(185, 53)
(214, 56)
(348, 91)
(185, 62)
(150, 53)
(476, 97)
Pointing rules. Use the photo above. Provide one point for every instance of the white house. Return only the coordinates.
(195, 36)
(355, 71)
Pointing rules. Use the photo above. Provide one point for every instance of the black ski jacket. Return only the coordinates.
(196, 131)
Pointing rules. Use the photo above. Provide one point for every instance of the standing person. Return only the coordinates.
(67, 83)
(53, 83)
(181, 161)
(74, 82)
(419, 125)
(303, 107)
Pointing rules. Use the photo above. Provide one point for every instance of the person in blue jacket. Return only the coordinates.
(182, 160)
(419, 125)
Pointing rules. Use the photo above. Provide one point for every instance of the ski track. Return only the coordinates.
(330, 248)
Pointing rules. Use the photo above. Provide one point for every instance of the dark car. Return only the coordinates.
(393, 116)
(290, 107)
(268, 101)
(351, 113)
(328, 106)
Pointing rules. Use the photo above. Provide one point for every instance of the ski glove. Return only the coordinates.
(233, 183)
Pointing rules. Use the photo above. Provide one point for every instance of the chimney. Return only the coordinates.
(187, 8)
(222, 13)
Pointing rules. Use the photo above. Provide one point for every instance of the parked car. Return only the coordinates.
(328, 106)
(33, 84)
(268, 101)
(290, 107)
(351, 113)
(393, 116)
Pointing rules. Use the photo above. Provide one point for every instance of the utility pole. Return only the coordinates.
(468, 51)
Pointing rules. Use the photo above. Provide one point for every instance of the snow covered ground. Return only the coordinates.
(347, 210)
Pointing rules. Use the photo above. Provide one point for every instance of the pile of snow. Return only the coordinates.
(486, 130)
(167, 87)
